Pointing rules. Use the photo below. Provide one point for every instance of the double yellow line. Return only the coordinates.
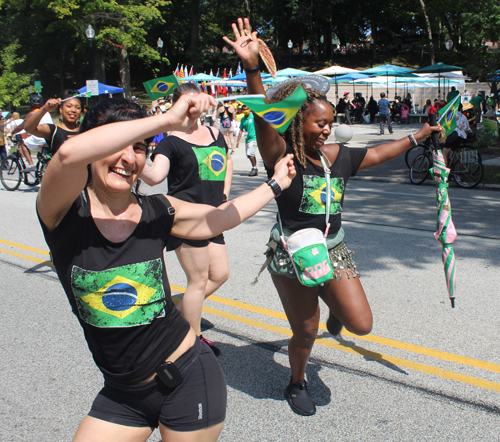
(353, 349)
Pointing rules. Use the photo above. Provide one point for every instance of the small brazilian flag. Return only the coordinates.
(278, 115)
(447, 116)
(125, 296)
(160, 87)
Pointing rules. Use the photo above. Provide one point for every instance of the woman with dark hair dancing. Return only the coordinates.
(107, 246)
(55, 134)
(303, 205)
(200, 170)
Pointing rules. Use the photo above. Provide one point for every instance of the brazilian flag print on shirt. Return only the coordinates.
(212, 163)
(315, 192)
(124, 296)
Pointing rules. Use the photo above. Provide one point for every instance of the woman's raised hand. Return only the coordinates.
(51, 104)
(188, 108)
(246, 44)
(284, 171)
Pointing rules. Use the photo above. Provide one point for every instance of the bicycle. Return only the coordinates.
(13, 169)
(414, 151)
(465, 164)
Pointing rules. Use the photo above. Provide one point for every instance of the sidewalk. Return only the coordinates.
(364, 135)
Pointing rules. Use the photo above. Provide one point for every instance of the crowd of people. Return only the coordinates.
(158, 368)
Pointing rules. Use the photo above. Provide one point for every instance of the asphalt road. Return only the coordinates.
(426, 372)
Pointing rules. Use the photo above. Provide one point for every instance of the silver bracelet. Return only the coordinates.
(412, 140)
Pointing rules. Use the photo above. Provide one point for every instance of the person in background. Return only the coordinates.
(70, 108)
(3, 150)
(247, 125)
(452, 94)
(32, 142)
(226, 114)
(199, 170)
(372, 107)
(384, 111)
(347, 108)
(427, 106)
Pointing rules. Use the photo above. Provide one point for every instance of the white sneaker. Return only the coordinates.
(29, 169)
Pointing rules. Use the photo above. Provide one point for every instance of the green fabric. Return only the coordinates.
(278, 115)
(248, 125)
(477, 100)
(451, 95)
(448, 115)
(160, 87)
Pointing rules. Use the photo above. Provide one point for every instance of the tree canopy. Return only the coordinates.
(45, 39)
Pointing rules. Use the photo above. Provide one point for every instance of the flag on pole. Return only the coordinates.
(176, 72)
(231, 89)
(191, 71)
(186, 71)
(238, 70)
(224, 89)
(219, 88)
(447, 116)
(278, 115)
(211, 89)
(160, 87)
(181, 72)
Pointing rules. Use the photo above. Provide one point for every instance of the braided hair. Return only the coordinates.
(294, 134)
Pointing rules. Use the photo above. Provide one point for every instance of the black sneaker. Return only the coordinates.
(299, 399)
(253, 172)
(211, 345)
(333, 325)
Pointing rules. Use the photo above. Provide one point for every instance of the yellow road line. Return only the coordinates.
(37, 260)
(333, 344)
(369, 338)
(446, 374)
(20, 246)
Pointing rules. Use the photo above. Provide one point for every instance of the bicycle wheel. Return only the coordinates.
(468, 169)
(11, 173)
(419, 169)
(412, 153)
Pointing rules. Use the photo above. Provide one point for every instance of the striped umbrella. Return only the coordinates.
(445, 232)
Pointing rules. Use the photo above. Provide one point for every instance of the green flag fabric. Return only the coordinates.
(448, 115)
(278, 115)
(125, 296)
(160, 87)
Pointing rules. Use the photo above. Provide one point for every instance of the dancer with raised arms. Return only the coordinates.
(304, 204)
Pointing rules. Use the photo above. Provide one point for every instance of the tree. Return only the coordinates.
(13, 85)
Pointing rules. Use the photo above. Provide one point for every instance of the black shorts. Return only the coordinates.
(198, 402)
(174, 242)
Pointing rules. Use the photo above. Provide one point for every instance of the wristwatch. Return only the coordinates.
(275, 186)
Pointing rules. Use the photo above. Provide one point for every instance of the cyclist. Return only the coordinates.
(70, 110)
(32, 142)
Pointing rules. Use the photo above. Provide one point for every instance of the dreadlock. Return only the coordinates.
(294, 134)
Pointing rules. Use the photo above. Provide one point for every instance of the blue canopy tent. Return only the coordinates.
(104, 89)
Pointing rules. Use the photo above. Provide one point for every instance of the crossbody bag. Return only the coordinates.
(307, 248)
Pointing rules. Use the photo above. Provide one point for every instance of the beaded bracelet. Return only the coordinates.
(412, 140)
(252, 70)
